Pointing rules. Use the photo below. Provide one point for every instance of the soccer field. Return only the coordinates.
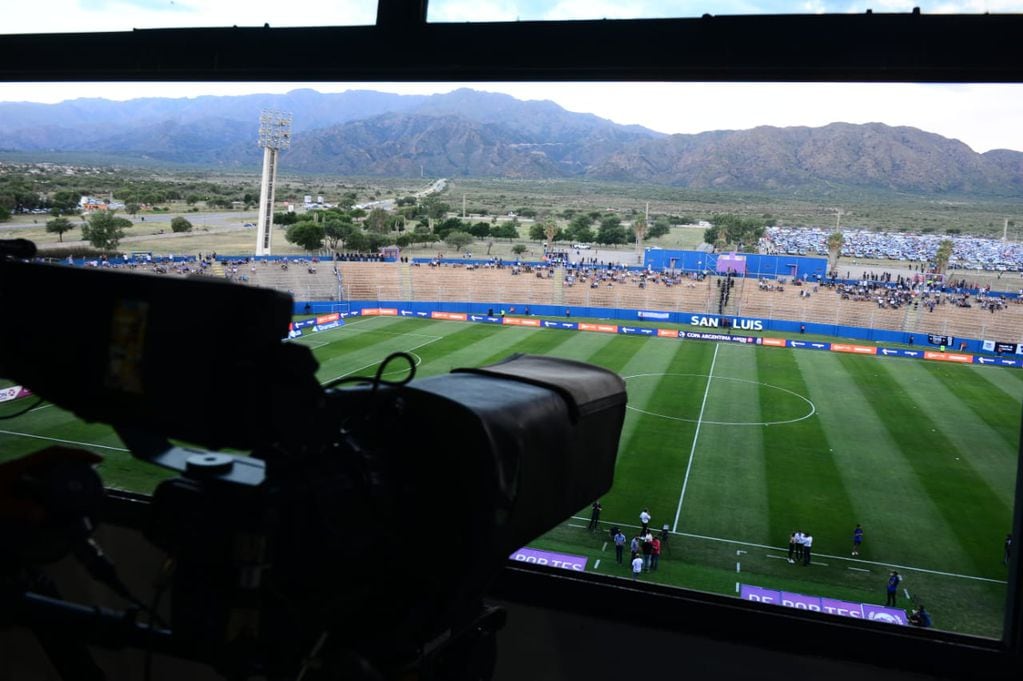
(735, 447)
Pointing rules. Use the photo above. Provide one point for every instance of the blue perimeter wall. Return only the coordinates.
(694, 320)
(757, 265)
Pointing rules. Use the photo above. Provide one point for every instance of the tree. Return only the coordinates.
(611, 232)
(639, 229)
(450, 225)
(5, 213)
(336, 232)
(306, 234)
(519, 249)
(536, 232)
(835, 242)
(578, 229)
(58, 226)
(131, 208)
(65, 202)
(180, 224)
(358, 242)
(505, 230)
(458, 239)
(104, 230)
(285, 218)
(378, 221)
(550, 231)
(422, 234)
(660, 227)
(480, 230)
(943, 255)
(736, 230)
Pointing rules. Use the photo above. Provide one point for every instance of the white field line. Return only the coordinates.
(737, 567)
(858, 569)
(604, 547)
(822, 555)
(696, 436)
(581, 527)
(597, 564)
(737, 587)
(373, 364)
(66, 442)
(44, 406)
(906, 591)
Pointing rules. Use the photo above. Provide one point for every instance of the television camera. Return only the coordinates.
(296, 504)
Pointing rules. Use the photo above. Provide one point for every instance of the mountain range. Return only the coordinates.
(467, 133)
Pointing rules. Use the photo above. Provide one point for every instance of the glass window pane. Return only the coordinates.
(90, 16)
(540, 10)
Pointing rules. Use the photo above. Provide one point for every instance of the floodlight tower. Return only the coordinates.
(274, 135)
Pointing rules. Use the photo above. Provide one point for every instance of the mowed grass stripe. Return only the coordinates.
(655, 450)
(902, 522)
(554, 343)
(805, 488)
(728, 464)
(973, 512)
(627, 355)
(467, 345)
(357, 348)
(981, 427)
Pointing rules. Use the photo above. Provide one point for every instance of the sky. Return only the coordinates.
(982, 116)
(61, 16)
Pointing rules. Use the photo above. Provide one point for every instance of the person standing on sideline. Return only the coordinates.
(647, 547)
(857, 539)
(655, 557)
(637, 567)
(595, 515)
(619, 540)
(644, 519)
(634, 547)
(807, 545)
(799, 546)
(792, 547)
(893, 588)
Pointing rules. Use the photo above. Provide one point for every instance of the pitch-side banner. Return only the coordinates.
(860, 611)
(808, 345)
(564, 561)
(13, 392)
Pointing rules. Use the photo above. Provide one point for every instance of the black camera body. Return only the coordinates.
(367, 521)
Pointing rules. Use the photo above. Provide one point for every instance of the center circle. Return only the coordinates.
(812, 409)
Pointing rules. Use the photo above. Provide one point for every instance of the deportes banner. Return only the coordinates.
(13, 392)
(559, 560)
(865, 611)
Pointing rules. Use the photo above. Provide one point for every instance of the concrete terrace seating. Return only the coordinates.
(297, 280)
(383, 281)
(370, 280)
(486, 284)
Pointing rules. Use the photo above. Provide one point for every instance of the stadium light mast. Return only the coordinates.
(274, 135)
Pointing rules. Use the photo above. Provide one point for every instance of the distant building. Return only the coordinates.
(90, 204)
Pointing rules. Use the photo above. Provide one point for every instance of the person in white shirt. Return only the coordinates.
(807, 543)
(637, 566)
(800, 539)
(644, 519)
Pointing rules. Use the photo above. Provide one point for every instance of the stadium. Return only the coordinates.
(758, 407)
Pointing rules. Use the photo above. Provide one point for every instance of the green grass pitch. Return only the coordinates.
(736, 446)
